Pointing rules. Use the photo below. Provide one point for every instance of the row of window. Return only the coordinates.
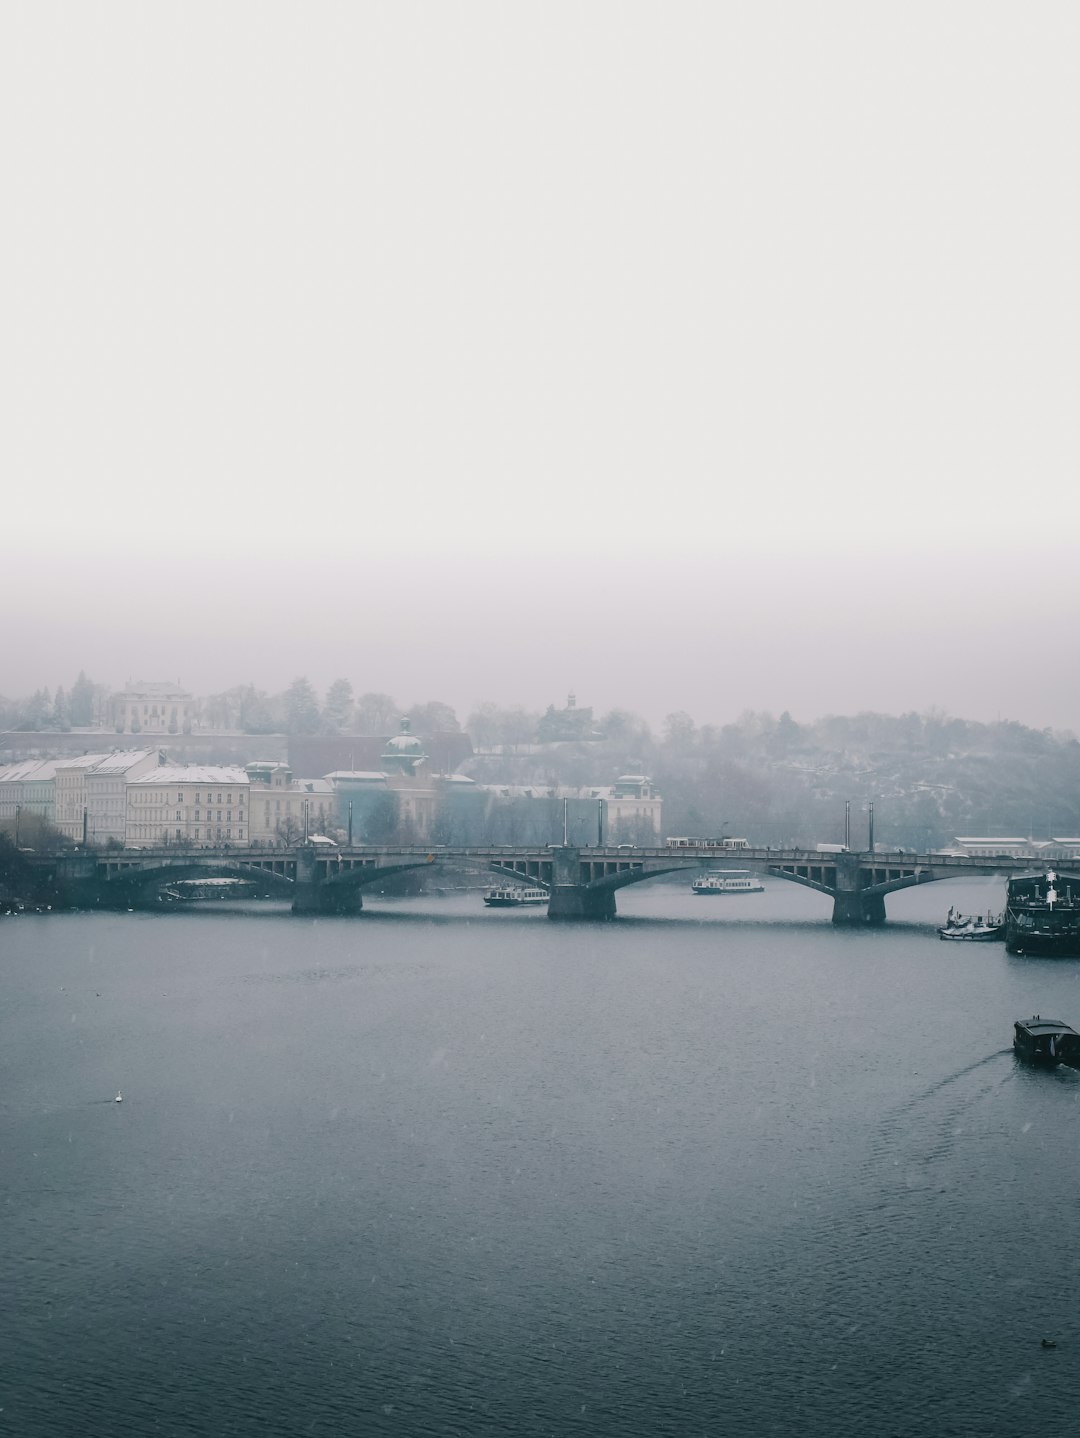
(151, 797)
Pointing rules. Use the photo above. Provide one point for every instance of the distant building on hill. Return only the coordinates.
(153, 707)
(566, 725)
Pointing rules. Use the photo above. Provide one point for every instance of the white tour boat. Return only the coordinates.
(514, 896)
(727, 881)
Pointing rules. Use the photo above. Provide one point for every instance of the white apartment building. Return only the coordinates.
(69, 803)
(1010, 847)
(193, 805)
(633, 805)
(95, 786)
(28, 788)
(106, 792)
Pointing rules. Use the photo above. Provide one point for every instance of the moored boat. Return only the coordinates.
(514, 896)
(1042, 915)
(727, 881)
(1046, 1041)
(973, 928)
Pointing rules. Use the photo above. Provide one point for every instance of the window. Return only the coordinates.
(179, 815)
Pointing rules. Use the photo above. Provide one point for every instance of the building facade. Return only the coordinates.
(153, 707)
(397, 800)
(69, 806)
(28, 788)
(282, 810)
(633, 810)
(630, 811)
(106, 792)
(193, 805)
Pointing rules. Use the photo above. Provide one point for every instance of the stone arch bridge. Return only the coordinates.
(582, 882)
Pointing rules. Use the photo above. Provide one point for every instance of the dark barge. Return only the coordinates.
(1042, 915)
(1046, 1041)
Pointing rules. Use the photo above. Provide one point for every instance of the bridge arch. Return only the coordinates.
(142, 881)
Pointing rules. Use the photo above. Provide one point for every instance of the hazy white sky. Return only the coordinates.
(691, 355)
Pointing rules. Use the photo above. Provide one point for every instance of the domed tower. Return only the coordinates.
(404, 753)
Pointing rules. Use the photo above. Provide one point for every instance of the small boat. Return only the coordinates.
(1046, 1041)
(973, 928)
(727, 881)
(514, 896)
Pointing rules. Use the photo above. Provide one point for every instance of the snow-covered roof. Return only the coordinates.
(195, 774)
(121, 760)
(81, 761)
(28, 770)
(369, 775)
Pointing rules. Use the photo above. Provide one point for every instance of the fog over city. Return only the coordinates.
(539, 727)
(700, 358)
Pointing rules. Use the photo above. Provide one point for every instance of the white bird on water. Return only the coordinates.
(119, 1097)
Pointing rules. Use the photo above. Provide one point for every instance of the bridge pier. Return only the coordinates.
(578, 901)
(858, 909)
(326, 899)
(852, 905)
(570, 898)
(315, 895)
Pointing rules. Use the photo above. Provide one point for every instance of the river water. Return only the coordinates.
(713, 1169)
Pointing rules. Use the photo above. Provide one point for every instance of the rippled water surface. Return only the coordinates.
(715, 1168)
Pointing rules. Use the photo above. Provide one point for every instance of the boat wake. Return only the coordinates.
(928, 1127)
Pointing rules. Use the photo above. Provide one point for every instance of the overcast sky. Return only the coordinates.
(703, 356)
